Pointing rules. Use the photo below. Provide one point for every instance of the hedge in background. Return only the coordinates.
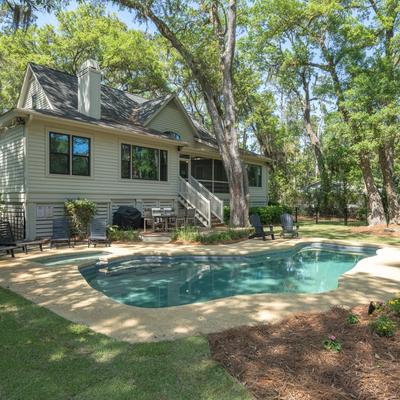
(268, 214)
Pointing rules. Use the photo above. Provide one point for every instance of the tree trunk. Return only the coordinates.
(386, 163)
(234, 167)
(315, 143)
(376, 213)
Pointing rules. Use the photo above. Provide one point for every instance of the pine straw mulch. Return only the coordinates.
(378, 230)
(287, 361)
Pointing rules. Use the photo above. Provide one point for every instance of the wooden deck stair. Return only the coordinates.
(209, 208)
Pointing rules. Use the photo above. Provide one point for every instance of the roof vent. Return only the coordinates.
(89, 89)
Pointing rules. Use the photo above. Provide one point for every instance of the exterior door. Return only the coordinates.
(184, 168)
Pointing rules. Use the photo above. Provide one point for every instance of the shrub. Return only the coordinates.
(352, 319)
(268, 214)
(332, 344)
(383, 326)
(81, 212)
(394, 305)
(114, 233)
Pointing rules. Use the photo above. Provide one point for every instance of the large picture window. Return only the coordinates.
(139, 162)
(254, 173)
(69, 154)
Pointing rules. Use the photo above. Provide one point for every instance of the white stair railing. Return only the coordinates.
(217, 205)
(196, 200)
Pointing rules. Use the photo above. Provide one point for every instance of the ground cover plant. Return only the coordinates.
(299, 358)
(192, 234)
(43, 356)
(115, 234)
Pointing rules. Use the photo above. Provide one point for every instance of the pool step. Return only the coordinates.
(156, 237)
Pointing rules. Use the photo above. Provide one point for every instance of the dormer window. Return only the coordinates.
(34, 101)
(173, 135)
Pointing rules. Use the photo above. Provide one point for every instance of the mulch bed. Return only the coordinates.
(287, 361)
(378, 230)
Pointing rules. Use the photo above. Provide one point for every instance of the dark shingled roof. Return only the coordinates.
(62, 90)
(122, 125)
(118, 108)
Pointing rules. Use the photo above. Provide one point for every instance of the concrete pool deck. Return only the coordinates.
(63, 290)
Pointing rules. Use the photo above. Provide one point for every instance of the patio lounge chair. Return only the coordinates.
(7, 239)
(288, 226)
(98, 232)
(255, 222)
(8, 249)
(61, 232)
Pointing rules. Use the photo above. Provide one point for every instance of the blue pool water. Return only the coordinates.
(155, 282)
(70, 258)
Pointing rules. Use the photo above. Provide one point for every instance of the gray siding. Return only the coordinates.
(12, 162)
(171, 118)
(104, 186)
(44, 224)
(35, 88)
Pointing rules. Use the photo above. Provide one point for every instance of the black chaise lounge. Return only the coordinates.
(8, 249)
(255, 222)
(98, 232)
(288, 226)
(7, 239)
(61, 232)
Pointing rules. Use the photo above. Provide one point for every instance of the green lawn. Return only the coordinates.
(340, 232)
(43, 356)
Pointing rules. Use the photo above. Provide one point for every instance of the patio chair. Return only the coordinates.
(177, 220)
(190, 217)
(255, 222)
(159, 222)
(98, 232)
(7, 238)
(148, 219)
(61, 232)
(181, 217)
(288, 226)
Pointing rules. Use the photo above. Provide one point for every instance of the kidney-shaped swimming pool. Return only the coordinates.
(163, 281)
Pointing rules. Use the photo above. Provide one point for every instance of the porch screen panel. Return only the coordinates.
(220, 178)
(219, 171)
(202, 169)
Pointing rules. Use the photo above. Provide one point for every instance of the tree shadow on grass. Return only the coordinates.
(43, 356)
